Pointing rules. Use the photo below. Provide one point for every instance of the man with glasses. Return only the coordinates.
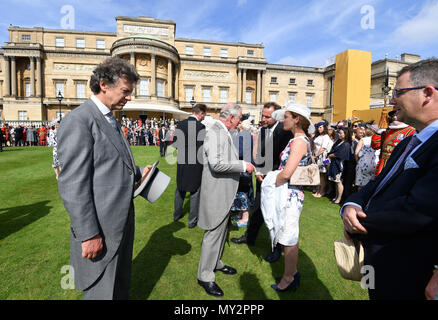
(272, 141)
(395, 216)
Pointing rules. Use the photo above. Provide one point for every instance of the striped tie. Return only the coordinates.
(113, 121)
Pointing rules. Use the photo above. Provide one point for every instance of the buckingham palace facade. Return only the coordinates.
(38, 64)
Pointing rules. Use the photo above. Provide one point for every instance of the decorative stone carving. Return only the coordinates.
(75, 67)
(154, 31)
(206, 75)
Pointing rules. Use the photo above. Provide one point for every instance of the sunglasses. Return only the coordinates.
(396, 92)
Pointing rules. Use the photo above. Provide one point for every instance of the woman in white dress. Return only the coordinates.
(323, 145)
(296, 118)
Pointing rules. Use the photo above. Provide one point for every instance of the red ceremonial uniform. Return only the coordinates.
(387, 141)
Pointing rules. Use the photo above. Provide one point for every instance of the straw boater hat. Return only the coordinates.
(152, 186)
(297, 108)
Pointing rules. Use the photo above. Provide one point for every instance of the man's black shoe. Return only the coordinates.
(242, 239)
(192, 225)
(227, 270)
(211, 288)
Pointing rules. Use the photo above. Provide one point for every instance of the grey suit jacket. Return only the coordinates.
(96, 185)
(220, 177)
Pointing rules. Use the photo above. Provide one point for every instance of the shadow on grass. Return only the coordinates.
(251, 287)
(150, 263)
(310, 286)
(15, 218)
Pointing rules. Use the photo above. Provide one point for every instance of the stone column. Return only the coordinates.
(153, 75)
(14, 77)
(32, 76)
(244, 86)
(176, 82)
(134, 91)
(239, 85)
(169, 79)
(259, 78)
(7, 76)
(262, 82)
(40, 78)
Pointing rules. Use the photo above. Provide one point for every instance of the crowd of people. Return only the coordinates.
(27, 135)
(382, 177)
(146, 132)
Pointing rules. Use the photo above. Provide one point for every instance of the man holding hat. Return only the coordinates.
(96, 184)
(395, 216)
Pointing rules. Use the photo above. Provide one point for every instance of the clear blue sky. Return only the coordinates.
(296, 32)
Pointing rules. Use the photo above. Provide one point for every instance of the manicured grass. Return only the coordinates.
(34, 242)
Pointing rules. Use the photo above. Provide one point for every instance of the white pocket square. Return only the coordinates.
(410, 164)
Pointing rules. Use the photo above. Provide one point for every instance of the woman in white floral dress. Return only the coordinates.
(297, 153)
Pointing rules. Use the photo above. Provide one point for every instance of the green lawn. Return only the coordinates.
(34, 242)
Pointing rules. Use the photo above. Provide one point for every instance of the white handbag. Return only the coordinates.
(306, 175)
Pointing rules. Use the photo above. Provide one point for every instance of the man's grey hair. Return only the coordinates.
(230, 109)
(110, 71)
(422, 73)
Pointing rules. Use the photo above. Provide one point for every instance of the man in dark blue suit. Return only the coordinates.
(188, 140)
(396, 215)
(271, 142)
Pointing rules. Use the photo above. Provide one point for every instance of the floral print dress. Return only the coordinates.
(366, 166)
(289, 232)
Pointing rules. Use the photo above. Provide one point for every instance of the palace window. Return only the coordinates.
(273, 96)
(189, 94)
(189, 50)
(292, 81)
(22, 115)
(59, 87)
(250, 52)
(27, 89)
(144, 88)
(59, 42)
(80, 90)
(223, 95)
(25, 37)
(309, 98)
(80, 43)
(310, 82)
(100, 44)
(273, 79)
(206, 94)
(292, 96)
(207, 52)
(248, 97)
(160, 88)
(224, 53)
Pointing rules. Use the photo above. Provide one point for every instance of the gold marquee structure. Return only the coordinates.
(38, 64)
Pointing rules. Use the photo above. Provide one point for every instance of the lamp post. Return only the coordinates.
(193, 102)
(383, 123)
(59, 97)
(386, 88)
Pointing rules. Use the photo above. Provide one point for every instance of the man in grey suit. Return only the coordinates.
(96, 184)
(220, 179)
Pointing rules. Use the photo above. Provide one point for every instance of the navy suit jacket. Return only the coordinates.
(402, 224)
